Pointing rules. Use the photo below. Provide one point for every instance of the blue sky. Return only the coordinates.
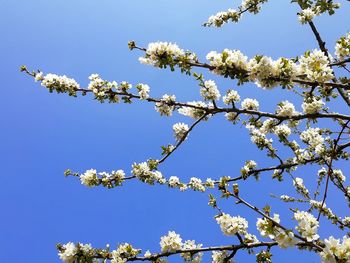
(42, 134)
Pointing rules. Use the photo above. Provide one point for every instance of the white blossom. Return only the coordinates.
(231, 116)
(250, 238)
(210, 91)
(223, 17)
(59, 83)
(39, 76)
(307, 225)
(335, 248)
(315, 66)
(342, 47)
(89, 178)
(253, 6)
(260, 69)
(69, 252)
(170, 242)
(285, 239)
(196, 184)
(306, 15)
(232, 96)
(123, 253)
(250, 104)
(232, 225)
(337, 173)
(260, 139)
(180, 130)
(220, 257)
(286, 198)
(143, 90)
(300, 187)
(266, 227)
(165, 106)
(285, 109)
(312, 137)
(282, 130)
(267, 126)
(346, 220)
(189, 257)
(143, 172)
(193, 112)
(247, 168)
(210, 183)
(174, 181)
(312, 106)
(157, 51)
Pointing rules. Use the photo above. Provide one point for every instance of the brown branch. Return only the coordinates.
(330, 170)
(183, 138)
(340, 63)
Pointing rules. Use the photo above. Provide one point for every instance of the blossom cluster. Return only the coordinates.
(306, 15)
(338, 174)
(286, 109)
(70, 252)
(123, 253)
(165, 106)
(312, 105)
(61, 84)
(146, 174)
(210, 91)
(159, 51)
(172, 242)
(197, 111)
(180, 130)
(285, 239)
(258, 137)
(221, 18)
(91, 178)
(195, 184)
(143, 90)
(221, 257)
(100, 88)
(231, 97)
(268, 73)
(313, 137)
(266, 227)
(247, 168)
(335, 250)
(232, 225)
(250, 104)
(164, 54)
(307, 225)
(342, 47)
(315, 65)
(300, 187)
(190, 257)
(282, 131)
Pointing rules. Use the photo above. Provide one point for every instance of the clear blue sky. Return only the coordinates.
(42, 134)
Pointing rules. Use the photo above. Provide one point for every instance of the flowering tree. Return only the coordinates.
(306, 134)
